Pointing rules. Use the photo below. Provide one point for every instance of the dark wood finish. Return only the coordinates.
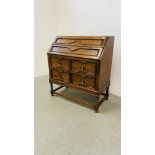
(60, 76)
(105, 64)
(77, 51)
(59, 62)
(83, 67)
(86, 81)
(83, 63)
(81, 102)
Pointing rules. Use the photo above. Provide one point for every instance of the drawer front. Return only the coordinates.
(60, 76)
(83, 81)
(83, 67)
(96, 42)
(59, 62)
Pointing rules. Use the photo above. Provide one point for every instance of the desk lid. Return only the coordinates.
(78, 46)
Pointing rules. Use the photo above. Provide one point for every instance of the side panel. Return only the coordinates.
(105, 64)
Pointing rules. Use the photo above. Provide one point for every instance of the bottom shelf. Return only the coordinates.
(84, 99)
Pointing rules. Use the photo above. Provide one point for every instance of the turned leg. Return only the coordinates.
(97, 106)
(107, 93)
(51, 89)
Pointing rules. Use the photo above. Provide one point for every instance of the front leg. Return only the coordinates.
(51, 89)
(96, 107)
(107, 93)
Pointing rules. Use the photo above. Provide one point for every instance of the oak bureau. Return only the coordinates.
(82, 63)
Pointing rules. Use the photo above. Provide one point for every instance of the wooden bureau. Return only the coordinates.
(82, 63)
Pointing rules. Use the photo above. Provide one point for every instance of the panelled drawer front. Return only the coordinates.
(60, 76)
(96, 42)
(83, 67)
(83, 81)
(59, 62)
(75, 50)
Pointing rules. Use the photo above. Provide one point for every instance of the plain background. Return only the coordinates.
(77, 17)
(16, 79)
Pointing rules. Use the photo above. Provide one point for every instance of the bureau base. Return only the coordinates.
(94, 106)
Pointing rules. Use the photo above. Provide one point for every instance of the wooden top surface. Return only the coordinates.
(90, 47)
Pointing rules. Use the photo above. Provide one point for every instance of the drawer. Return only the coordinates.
(83, 67)
(89, 42)
(83, 81)
(60, 76)
(76, 51)
(59, 62)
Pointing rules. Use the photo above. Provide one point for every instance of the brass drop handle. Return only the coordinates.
(60, 63)
(82, 82)
(83, 69)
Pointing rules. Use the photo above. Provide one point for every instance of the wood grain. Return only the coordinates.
(83, 63)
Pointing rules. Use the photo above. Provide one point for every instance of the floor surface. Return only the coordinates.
(65, 128)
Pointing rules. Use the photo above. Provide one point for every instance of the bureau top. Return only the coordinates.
(90, 47)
